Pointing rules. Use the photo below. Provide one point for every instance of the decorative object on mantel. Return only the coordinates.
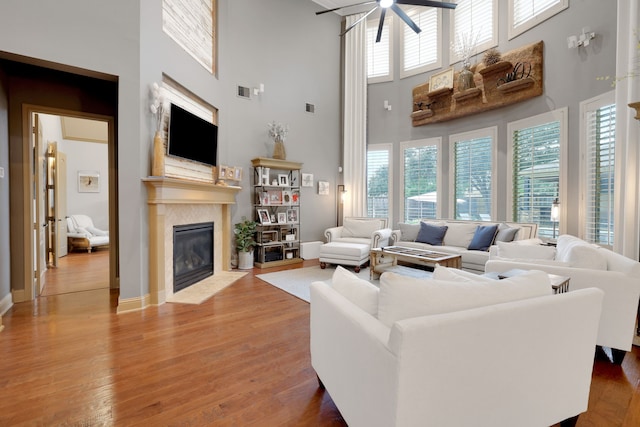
(456, 103)
(158, 109)
(278, 132)
(491, 56)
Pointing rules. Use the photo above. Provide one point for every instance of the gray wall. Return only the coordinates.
(5, 279)
(569, 77)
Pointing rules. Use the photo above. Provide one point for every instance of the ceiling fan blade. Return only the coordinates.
(342, 7)
(429, 3)
(358, 21)
(381, 24)
(405, 18)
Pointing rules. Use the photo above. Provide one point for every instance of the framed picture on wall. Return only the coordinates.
(88, 182)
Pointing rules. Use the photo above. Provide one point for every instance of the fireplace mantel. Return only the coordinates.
(167, 197)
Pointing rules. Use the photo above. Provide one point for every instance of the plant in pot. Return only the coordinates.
(245, 242)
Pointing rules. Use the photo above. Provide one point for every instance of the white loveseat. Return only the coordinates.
(588, 266)
(522, 363)
(82, 234)
(458, 237)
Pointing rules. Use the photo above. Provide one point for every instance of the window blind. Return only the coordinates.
(378, 54)
(421, 50)
(190, 23)
(420, 182)
(378, 182)
(599, 179)
(536, 174)
(472, 178)
(525, 10)
(471, 19)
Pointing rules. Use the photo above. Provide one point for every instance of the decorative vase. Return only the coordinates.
(245, 260)
(465, 79)
(278, 150)
(157, 167)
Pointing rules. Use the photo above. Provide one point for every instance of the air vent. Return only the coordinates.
(310, 108)
(244, 92)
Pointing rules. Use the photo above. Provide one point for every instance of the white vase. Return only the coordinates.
(245, 260)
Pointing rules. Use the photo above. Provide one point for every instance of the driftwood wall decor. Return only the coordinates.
(493, 88)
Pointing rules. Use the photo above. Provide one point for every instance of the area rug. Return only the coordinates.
(205, 289)
(297, 281)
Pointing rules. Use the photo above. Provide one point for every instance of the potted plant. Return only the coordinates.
(245, 242)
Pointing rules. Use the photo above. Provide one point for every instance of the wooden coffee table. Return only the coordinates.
(386, 259)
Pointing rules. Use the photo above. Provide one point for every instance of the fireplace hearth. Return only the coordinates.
(192, 254)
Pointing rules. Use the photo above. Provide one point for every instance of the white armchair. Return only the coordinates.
(82, 234)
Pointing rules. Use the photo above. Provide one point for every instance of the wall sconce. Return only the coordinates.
(258, 90)
(555, 215)
(581, 40)
(341, 195)
(386, 105)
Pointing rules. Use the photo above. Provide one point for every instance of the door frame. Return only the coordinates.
(28, 111)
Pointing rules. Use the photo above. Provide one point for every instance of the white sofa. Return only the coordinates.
(520, 363)
(459, 235)
(588, 266)
(82, 234)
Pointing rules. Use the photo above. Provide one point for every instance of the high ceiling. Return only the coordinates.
(330, 4)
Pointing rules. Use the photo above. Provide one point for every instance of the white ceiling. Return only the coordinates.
(330, 4)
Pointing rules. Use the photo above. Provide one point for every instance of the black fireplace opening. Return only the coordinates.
(192, 254)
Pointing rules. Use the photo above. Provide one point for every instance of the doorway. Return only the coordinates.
(69, 153)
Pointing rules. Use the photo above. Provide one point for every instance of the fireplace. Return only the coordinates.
(192, 254)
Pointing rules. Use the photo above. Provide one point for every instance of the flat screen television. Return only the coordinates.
(191, 137)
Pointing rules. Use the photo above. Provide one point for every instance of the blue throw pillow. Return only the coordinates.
(483, 237)
(431, 234)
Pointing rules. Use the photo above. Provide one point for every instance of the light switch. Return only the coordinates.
(1, 172)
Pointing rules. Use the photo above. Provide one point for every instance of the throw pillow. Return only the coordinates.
(354, 227)
(513, 250)
(409, 232)
(483, 237)
(506, 233)
(459, 234)
(358, 291)
(431, 234)
(406, 297)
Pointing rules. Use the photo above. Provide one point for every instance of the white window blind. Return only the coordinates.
(379, 55)
(421, 52)
(378, 180)
(599, 174)
(475, 20)
(190, 23)
(525, 14)
(473, 180)
(420, 181)
(536, 174)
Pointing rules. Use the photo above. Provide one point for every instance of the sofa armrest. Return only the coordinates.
(333, 233)
(396, 236)
(381, 238)
(78, 235)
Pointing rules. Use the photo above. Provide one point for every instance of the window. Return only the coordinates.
(192, 24)
(597, 144)
(379, 180)
(535, 159)
(526, 14)
(420, 192)
(421, 52)
(474, 20)
(473, 180)
(379, 55)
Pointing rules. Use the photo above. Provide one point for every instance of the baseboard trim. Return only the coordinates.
(133, 304)
(5, 304)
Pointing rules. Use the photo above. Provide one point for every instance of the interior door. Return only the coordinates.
(60, 204)
(40, 223)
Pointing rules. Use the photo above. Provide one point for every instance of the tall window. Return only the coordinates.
(379, 180)
(476, 20)
(597, 141)
(379, 55)
(472, 174)
(192, 24)
(526, 14)
(535, 163)
(421, 52)
(420, 187)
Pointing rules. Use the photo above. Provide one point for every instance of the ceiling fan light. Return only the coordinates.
(386, 3)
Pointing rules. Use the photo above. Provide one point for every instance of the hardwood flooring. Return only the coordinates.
(239, 359)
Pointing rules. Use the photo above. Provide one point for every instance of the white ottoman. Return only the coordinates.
(354, 254)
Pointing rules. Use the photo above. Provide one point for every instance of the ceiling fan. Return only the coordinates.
(393, 4)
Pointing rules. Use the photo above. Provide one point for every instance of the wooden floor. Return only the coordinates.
(239, 359)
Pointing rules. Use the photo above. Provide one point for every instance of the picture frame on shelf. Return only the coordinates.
(283, 180)
(295, 197)
(237, 173)
(282, 217)
(263, 216)
(441, 80)
(275, 197)
(292, 216)
(264, 198)
(286, 197)
(223, 171)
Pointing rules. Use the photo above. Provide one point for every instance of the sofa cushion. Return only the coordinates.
(409, 232)
(456, 275)
(404, 297)
(459, 234)
(358, 291)
(355, 227)
(431, 234)
(580, 254)
(483, 237)
(523, 251)
(506, 233)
